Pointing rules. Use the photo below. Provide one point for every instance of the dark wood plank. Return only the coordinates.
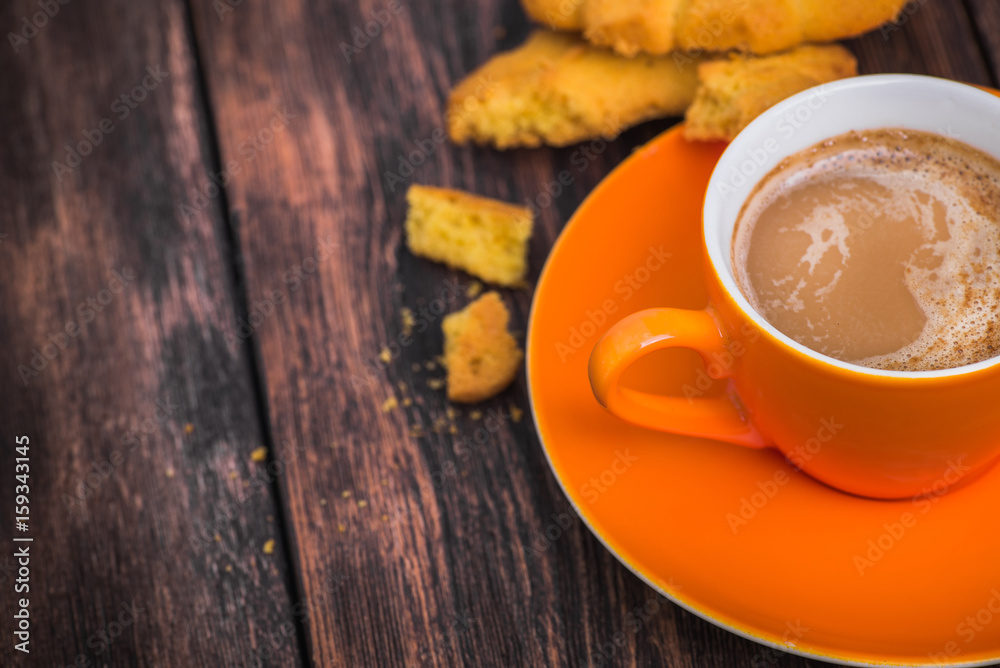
(143, 413)
(986, 20)
(439, 565)
(935, 38)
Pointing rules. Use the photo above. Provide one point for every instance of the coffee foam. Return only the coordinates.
(949, 188)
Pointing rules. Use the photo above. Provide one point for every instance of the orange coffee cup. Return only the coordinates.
(871, 432)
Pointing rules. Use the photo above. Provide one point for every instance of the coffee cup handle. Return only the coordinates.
(721, 418)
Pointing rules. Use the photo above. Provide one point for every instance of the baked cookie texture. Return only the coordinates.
(485, 237)
(631, 26)
(557, 14)
(481, 356)
(734, 91)
(756, 26)
(556, 89)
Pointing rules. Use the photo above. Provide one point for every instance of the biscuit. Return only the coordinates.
(482, 236)
(756, 26)
(734, 91)
(557, 14)
(631, 26)
(481, 356)
(556, 89)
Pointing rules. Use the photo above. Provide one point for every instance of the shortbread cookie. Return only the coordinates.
(732, 92)
(556, 89)
(557, 14)
(756, 26)
(482, 236)
(631, 26)
(481, 355)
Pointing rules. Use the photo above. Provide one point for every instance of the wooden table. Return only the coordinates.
(158, 329)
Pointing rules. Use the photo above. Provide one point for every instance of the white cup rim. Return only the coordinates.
(873, 89)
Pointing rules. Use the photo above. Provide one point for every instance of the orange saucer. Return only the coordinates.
(736, 535)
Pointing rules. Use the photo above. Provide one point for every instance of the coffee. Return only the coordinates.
(880, 248)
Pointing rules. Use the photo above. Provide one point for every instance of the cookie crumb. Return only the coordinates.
(435, 383)
(485, 237)
(474, 290)
(218, 538)
(341, 528)
(516, 413)
(362, 503)
(269, 547)
(189, 428)
(476, 414)
(482, 356)
(406, 315)
(170, 473)
(407, 402)
(259, 455)
(229, 568)
(389, 404)
(733, 91)
(322, 502)
(233, 475)
(346, 494)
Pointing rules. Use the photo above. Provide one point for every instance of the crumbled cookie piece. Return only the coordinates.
(482, 236)
(736, 90)
(481, 355)
(556, 89)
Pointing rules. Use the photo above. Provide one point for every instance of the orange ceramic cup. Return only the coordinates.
(875, 433)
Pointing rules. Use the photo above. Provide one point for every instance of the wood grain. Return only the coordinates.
(927, 37)
(411, 545)
(442, 565)
(142, 491)
(985, 17)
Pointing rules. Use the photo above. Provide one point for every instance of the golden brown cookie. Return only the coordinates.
(482, 236)
(481, 355)
(556, 14)
(734, 91)
(756, 26)
(631, 26)
(556, 89)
